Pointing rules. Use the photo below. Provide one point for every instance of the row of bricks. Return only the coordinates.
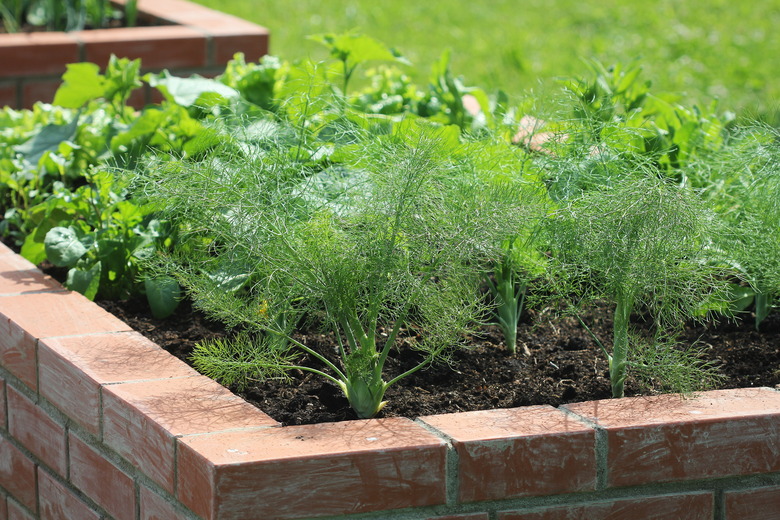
(23, 93)
(197, 37)
(35, 493)
(198, 441)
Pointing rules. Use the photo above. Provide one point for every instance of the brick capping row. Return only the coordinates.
(191, 39)
(96, 421)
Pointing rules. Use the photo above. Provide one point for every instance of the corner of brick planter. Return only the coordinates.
(187, 39)
(98, 422)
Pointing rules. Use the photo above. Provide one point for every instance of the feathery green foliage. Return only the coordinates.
(640, 245)
(392, 238)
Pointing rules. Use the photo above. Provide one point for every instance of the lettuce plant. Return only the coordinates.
(640, 245)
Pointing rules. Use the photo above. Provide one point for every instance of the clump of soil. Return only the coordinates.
(566, 365)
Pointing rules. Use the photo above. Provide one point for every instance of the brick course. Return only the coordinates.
(192, 39)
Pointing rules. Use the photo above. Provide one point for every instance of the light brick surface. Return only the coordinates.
(73, 369)
(535, 450)
(142, 419)
(99, 479)
(17, 512)
(26, 318)
(315, 470)
(36, 431)
(17, 474)
(59, 503)
(154, 507)
(753, 504)
(698, 506)
(670, 438)
(18, 276)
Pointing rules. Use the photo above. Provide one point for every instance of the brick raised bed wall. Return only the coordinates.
(98, 422)
(192, 40)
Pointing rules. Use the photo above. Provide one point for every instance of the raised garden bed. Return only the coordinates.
(180, 36)
(97, 420)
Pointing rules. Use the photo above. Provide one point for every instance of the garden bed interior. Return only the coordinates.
(97, 421)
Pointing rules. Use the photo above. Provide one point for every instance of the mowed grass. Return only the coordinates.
(714, 49)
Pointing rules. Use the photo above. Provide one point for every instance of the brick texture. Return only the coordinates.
(669, 438)
(59, 503)
(753, 504)
(536, 450)
(141, 420)
(73, 369)
(154, 507)
(17, 474)
(36, 53)
(315, 470)
(17, 512)
(36, 431)
(697, 506)
(99, 479)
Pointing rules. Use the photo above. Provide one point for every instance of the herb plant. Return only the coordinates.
(640, 245)
(388, 243)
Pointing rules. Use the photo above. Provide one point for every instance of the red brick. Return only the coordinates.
(26, 318)
(302, 471)
(254, 47)
(670, 438)
(169, 46)
(17, 474)
(696, 506)
(58, 503)
(35, 54)
(99, 479)
(535, 450)
(36, 431)
(141, 420)
(73, 369)
(17, 512)
(155, 507)
(753, 504)
(8, 96)
(42, 90)
(19, 276)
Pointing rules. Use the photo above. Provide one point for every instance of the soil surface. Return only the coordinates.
(565, 365)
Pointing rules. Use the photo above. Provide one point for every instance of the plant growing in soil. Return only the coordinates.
(640, 244)
(388, 243)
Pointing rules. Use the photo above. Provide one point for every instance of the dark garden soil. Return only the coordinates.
(565, 365)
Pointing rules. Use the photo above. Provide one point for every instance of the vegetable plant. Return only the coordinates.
(640, 245)
(389, 242)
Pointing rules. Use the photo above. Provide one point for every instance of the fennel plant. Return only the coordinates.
(641, 245)
(391, 239)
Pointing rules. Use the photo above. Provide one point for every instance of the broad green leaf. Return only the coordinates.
(187, 91)
(63, 247)
(47, 140)
(163, 294)
(86, 282)
(32, 250)
(358, 48)
(82, 83)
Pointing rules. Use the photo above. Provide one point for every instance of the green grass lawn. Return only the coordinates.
(702, 50)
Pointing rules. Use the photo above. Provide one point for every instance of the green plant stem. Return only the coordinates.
(619, 359)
